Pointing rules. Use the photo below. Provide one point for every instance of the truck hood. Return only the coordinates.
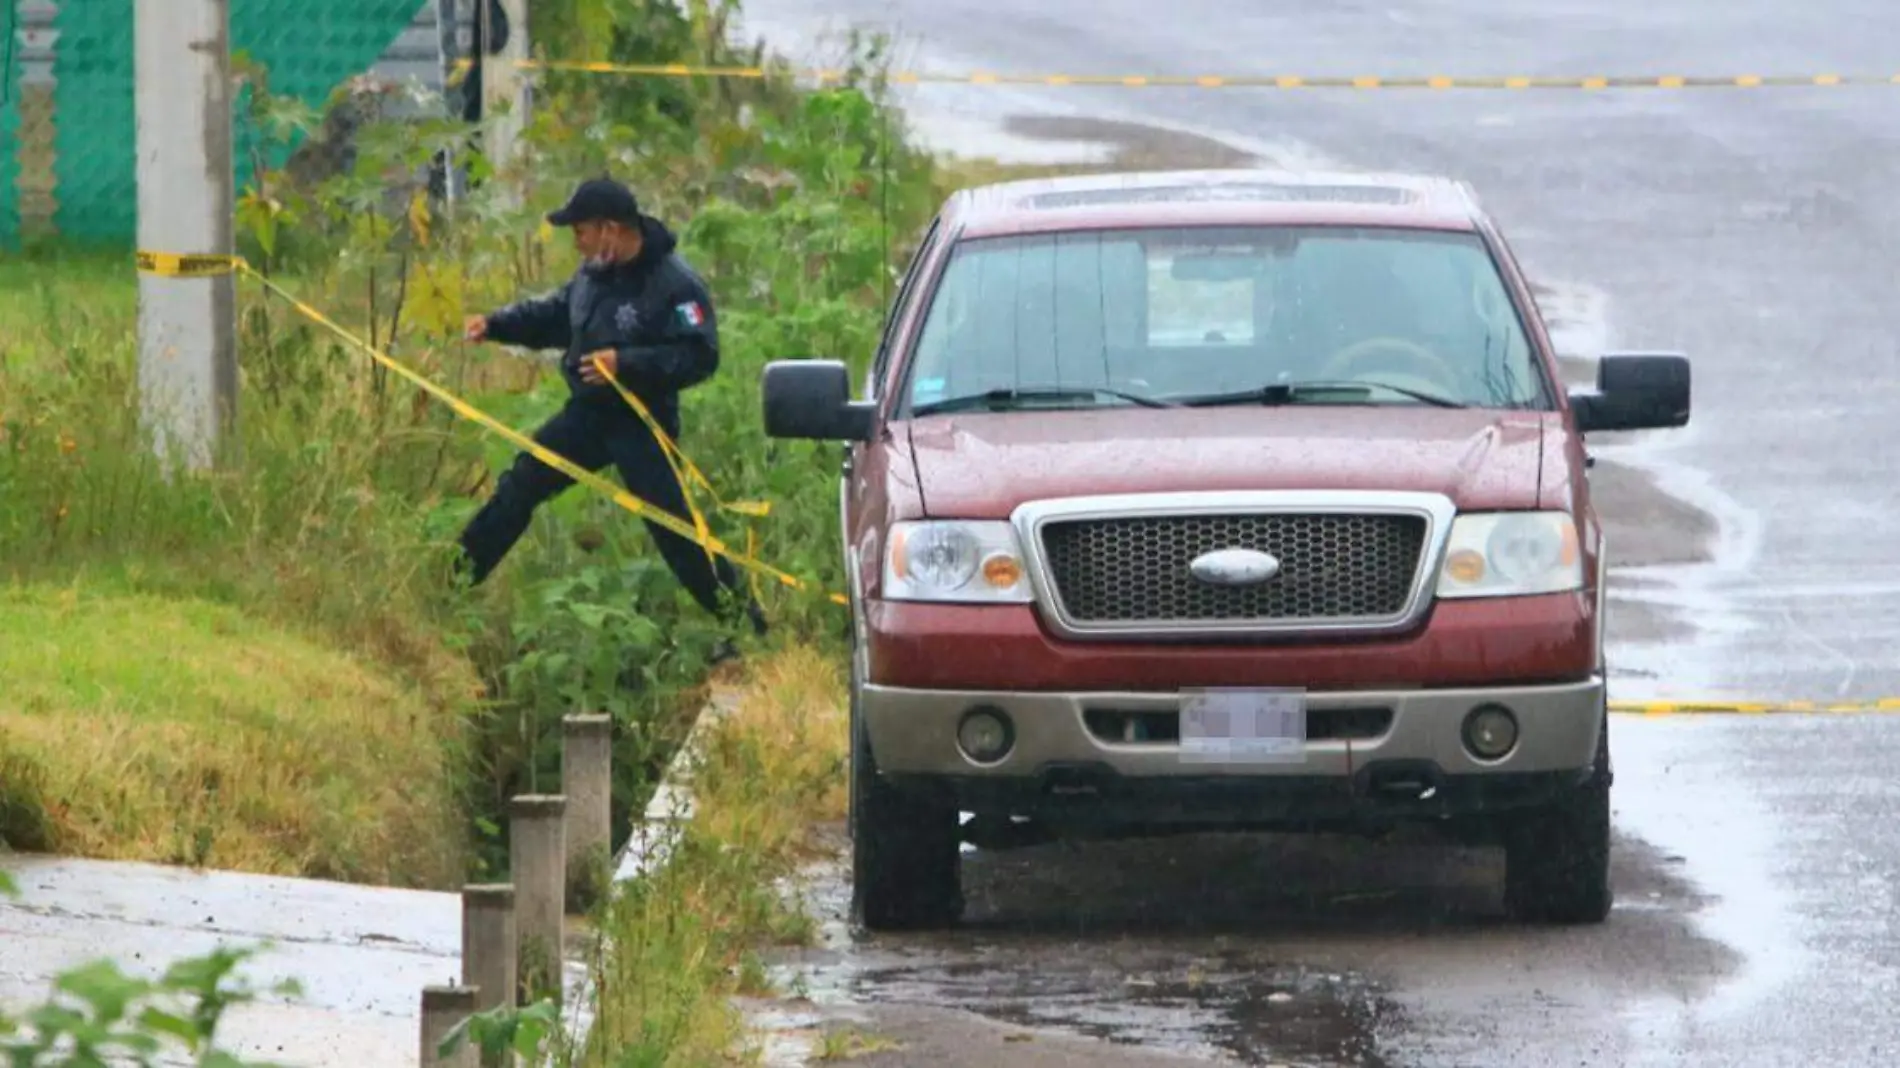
(982, 465)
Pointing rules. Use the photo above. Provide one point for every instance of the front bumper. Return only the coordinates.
(914, 732)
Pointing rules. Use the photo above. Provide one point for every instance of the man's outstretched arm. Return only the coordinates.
(535, 323)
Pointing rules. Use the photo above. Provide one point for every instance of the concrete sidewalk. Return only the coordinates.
(362, 954)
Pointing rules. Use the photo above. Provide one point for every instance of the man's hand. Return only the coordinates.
(591, 366)
(476, 328)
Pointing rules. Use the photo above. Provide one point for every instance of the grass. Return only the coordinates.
(255, 669)
(210, 738)
(85, 284)
(683, 942)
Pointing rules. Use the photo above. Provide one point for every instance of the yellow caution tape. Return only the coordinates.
(1228, 81)
(689, 474)
(173, 265)
(683, 466)
(1755, 708)
(698, 532)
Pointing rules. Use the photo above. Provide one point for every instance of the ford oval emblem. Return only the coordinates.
(1234, 567)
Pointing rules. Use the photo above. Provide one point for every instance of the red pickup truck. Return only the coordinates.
(1230, 500)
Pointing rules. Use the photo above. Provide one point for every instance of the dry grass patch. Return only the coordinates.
(141, 727)
(778, 764)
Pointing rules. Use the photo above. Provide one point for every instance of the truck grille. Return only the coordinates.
(1333, 567)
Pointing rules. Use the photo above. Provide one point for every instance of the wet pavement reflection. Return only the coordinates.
(1218, 1005)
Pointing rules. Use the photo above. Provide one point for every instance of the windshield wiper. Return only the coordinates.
(999, 399)
(1291, 392)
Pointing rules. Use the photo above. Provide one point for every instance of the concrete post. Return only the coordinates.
(442, 1008)
(187, 325)
(489, 947)
(587, 781)
(537, 857)
(505, 98)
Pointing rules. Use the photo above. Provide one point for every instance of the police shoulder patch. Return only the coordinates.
(691, 313)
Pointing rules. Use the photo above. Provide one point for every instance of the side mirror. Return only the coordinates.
(812, 399)
(1636, 391)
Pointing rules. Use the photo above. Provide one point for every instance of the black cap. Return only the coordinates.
(597, 199)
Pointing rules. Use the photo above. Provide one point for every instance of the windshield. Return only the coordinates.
(1342, 315)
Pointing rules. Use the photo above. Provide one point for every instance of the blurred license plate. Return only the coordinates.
(1236, 726)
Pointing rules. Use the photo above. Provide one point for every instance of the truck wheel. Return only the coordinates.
(1557, 858)
(905, 850)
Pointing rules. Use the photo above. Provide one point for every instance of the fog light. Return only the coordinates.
(1490, 731)
(985, 735)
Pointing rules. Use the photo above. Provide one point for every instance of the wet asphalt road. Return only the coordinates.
(1757, 559)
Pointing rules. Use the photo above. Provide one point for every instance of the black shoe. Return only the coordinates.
(726, 651)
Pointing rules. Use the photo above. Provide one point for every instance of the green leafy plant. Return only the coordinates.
(531, 1032)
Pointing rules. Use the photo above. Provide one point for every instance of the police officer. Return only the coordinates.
(636, 305)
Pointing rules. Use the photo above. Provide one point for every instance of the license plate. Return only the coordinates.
(1243, 726)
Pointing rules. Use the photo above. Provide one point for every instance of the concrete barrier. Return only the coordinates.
(587, 782)
(489, 949)
(443, 1007)
(537, 862)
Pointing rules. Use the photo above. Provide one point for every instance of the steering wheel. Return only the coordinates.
(1343, 363)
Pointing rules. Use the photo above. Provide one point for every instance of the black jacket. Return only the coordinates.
(653, 310)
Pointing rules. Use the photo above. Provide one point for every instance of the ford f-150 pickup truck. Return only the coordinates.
(1229, 500)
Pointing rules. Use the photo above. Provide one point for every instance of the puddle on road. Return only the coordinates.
(1199, 997)
(1219, 1012)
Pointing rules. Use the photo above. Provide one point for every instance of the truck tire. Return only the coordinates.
(905, 850)
(1557, 858)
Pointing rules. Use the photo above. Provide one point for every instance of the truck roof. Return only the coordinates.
(1231, 196)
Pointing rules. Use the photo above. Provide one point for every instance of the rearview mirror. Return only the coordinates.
(1636, 391)
(812, 399)
(1215, 267)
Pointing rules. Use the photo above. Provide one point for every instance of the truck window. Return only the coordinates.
(1190, 311)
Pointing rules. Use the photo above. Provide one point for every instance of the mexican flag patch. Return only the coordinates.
(691, 313)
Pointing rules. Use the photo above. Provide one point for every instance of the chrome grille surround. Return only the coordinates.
(1364, 518)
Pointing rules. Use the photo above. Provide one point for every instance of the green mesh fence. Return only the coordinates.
(9, 120)
(68, 124)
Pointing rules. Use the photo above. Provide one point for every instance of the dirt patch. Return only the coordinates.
(950, 1038)
(1645, 526)
(1133, 146)
(1126, 147)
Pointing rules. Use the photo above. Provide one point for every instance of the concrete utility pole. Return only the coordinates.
(186, 203)
(505, 99)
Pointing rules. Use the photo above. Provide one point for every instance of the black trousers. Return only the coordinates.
(593, 437)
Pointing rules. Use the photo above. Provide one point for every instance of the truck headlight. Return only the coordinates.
(973, 561)
(1511, 554)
